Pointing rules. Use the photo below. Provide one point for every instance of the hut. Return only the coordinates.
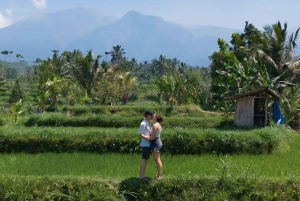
(252, 107)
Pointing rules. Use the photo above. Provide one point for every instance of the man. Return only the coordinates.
(144, 132)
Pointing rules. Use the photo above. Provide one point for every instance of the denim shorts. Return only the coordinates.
(156, 145)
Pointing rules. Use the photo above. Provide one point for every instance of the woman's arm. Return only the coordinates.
(146, 137)
(153, 132)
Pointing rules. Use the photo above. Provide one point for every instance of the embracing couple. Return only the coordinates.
(150, 143)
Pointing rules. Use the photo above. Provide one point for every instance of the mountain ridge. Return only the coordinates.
(143, 37)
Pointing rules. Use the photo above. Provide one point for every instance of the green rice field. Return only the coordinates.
(122, 166)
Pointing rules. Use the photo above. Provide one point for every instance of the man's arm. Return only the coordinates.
(142, 130)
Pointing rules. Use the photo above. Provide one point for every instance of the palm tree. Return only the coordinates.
(106, 53)
(117, 54)
(280, 54)
(161, 65)
(19, 56)
(4, 52)
(55, 54)
(10, 52)
(86, 70)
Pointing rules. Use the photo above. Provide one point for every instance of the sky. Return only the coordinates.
(224, 13)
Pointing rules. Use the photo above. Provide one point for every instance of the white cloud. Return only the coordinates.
(8, 11)
(4, 22)
(40, 4)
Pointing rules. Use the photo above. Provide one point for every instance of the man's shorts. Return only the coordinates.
(145, 153)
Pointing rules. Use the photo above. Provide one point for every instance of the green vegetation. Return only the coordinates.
(75, 137)
(126, 140)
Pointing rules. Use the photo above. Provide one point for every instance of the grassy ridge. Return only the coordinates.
(126, 140)
(221, 188)
(116, 121)
(55, 188)
(139, 109)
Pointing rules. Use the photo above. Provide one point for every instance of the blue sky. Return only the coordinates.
(225, 13)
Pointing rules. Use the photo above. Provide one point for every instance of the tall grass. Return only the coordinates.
(283, 165)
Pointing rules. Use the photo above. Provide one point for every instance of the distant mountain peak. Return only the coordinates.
(133, 13)
(138, 17)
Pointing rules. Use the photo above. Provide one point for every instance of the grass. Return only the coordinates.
(121, 166)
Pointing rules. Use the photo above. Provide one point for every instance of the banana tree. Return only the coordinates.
(166, 88)
(17, 110)
(54, 87)
(41, 99)
(241, 76)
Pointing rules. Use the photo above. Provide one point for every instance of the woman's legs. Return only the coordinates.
(156, 156)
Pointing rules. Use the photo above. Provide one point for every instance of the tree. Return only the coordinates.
(177, 88)
(54, 87)
(10, 52)
(17, 110)
(279, 57)
(161, 65)
(41, 98)
(4, 52)
(86, 70)
(106, 53)
(117, 54)
(126, 82)
(17, 93)
(19, 56)
(107, 88)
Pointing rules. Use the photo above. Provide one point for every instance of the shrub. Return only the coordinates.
(175, 141)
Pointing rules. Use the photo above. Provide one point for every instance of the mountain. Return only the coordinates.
(143, 37)
(37, 35)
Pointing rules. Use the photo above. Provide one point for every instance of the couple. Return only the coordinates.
(150, 143)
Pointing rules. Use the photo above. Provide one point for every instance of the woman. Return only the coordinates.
(156, 143)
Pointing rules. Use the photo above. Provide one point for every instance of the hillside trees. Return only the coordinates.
(83, 78)
(17, 93)
(270, 53)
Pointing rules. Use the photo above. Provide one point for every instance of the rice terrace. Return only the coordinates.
(70, 122)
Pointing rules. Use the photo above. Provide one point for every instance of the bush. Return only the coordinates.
(116, 121)
(175, 141)
(211, 189)
(2, 122)
(127, 110)
(45, 188)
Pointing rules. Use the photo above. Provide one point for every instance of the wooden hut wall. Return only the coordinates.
(244, 113)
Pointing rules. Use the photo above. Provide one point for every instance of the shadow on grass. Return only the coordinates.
(131, 188)
(230, 125)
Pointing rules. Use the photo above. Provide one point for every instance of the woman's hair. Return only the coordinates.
(159, 118)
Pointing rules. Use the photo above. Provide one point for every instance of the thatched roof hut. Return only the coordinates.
(252, 107)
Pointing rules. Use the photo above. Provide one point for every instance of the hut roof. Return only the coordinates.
(271, 92)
